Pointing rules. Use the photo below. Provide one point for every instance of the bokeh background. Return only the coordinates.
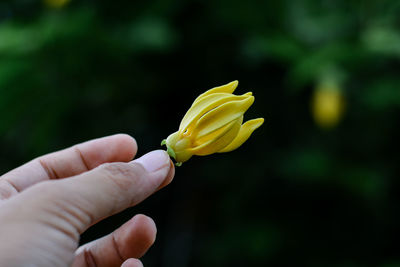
(316, 185)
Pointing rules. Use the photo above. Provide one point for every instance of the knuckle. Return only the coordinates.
(123, 175)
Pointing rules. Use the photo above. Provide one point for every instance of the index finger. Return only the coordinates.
(68, 162)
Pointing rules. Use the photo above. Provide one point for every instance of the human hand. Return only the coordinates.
(42, 214)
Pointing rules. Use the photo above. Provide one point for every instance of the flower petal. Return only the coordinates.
(221, 116)
(206, 104)
(226, 88)
(219, 139)
(245, 131)
(216, 134)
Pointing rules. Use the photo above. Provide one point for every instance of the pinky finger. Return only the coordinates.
(132, 263)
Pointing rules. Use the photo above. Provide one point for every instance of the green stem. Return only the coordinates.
(171, 152)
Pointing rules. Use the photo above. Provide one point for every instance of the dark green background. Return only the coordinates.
(294, 194)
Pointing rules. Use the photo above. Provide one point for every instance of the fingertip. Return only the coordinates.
(169, 177)
(146, 225)
(136, 236)
(127, 145)
(132, 263)
(154, 161)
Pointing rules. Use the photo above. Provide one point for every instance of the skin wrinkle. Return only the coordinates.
(78, 205)
(116, 247)
(9, 191)
(82, 217)
(80, 154)
(126, 171)
(115, 185)
(121, 174)
(72, 233)
(62, 209)
(89, 259)
(51, 173)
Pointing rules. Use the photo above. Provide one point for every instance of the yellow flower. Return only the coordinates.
(328, 105)
(213, 124)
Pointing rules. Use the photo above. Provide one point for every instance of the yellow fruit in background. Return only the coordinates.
(328, 105)
(56, 3)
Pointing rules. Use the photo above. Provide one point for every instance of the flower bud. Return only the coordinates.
(213, 124)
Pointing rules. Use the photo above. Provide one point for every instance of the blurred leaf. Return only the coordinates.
(383, 94)
(18, 40)
(320, 22)
(316, 63)
(364, 181)
(261, 48)
(384, 40)
(307, 164)
(150, 34)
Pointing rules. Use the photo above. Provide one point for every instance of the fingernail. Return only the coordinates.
(154, 160)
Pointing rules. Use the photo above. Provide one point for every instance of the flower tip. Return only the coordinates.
(258, 122)
(250, 100)
(233, 85)
(253, 124)
(244, 133)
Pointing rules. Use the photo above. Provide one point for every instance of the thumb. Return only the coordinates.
(83, 200)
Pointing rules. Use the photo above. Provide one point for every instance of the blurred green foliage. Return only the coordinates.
(295, 194)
